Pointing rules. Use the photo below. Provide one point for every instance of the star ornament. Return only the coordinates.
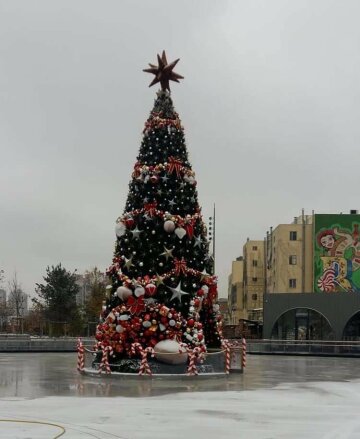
(163, 72)
(177, 293)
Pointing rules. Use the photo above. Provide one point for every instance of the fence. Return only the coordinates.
(24, 343)
(305, 347)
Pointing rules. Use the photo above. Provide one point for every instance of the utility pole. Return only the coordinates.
(212, 233)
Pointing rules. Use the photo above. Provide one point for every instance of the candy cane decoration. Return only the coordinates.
(226, 346)
(81, 356)
(104, 364)
(195, 354)
(144, 365)
(243, 353)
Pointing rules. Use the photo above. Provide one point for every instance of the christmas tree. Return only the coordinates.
(162, 290)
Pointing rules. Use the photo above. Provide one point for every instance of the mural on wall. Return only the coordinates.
(337, 253)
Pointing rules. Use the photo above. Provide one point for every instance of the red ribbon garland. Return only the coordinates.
(175, 165)
(136, 306)
(150, 208)
(180, 266)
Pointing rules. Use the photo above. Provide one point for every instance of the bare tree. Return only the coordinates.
(17, 299)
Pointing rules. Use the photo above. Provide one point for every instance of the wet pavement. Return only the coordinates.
(37, 375)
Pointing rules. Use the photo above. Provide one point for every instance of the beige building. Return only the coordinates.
(236, 305)
(254, 278)
(281, 263)
(289, 256)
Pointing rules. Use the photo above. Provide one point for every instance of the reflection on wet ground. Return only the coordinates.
(30, 375)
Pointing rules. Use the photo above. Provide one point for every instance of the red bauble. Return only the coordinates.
(154, 179)
(197, 303)
(150, 290)
(200, 292)
(129, 222)
(191, 322)
(200, 337)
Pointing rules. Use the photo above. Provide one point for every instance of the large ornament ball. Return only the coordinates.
(170, 352)
(119, 328)
(139, 291)
(120, 229)
(123, 293)
(154, 179)
(150, 290)
(169, 226)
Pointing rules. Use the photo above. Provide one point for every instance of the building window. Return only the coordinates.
(254, 279)
(254, 297)
(293, 236)
(292, 260)
(254, 247)
(254, 263)
(292, 283)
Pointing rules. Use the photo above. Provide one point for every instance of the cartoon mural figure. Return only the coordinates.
(340, 263)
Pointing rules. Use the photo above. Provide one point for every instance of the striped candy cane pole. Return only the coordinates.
(193, 355)
(226, 346)
(81, 356)
(104, 365)
(144, 367)
(243, 353)
(137, 347)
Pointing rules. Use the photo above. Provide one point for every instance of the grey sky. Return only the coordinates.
(270, 105)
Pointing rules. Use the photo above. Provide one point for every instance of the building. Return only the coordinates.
(289, 257)
(224, 310)
(236, 303)
(254, 279)
(311, 279)
(85, 282)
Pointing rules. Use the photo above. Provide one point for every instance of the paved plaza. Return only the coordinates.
(277, 397)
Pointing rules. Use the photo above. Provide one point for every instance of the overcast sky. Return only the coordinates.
(270, 104)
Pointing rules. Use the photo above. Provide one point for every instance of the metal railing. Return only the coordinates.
(305, 347)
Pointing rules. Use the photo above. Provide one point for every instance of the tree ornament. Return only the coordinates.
(163, 72)
(139, 291)
(123, 293)
(120, 229)
(150, 290)
(177, 292)
(170, 352)
(180, 232)
(169, 226)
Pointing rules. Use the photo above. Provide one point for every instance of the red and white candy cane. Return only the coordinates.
(104, 364)
(226, 346)
(81, 356)
(243, 353)
(144, 365)
(195, 355)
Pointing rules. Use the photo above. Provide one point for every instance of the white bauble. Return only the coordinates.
(123, 293)
(139, 291)
(169, 226)
(124, 317)
(170, 352)
(119, 329)
(120, 229)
